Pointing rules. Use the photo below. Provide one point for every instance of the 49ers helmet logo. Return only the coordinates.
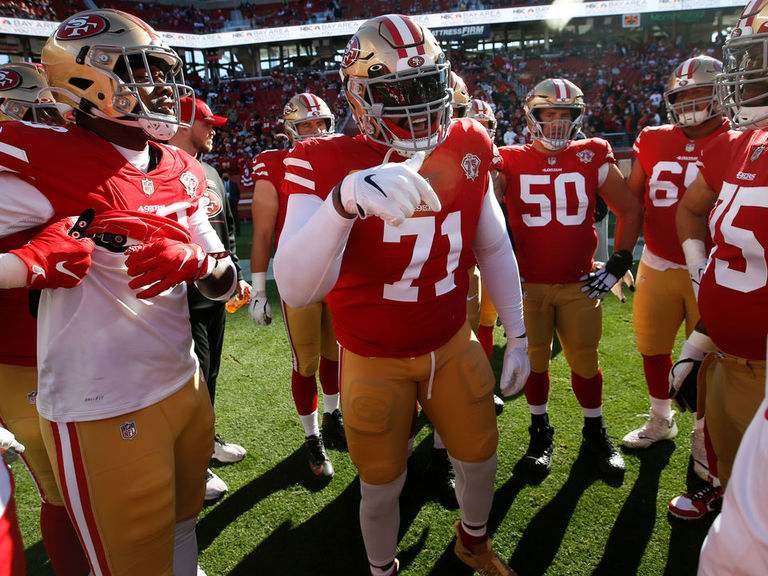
(416, 61)
(351, 53)
(9, 79)
(84, 26)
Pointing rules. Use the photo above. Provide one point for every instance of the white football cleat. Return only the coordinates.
(227, 453)
(215, 487)
(656, 428)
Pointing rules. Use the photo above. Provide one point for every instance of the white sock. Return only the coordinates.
(380, 519)
(185, 548)
(699, 423)
(538, 410)
(475, 483)
(330, 402)
(592, 412)
(437, 440)
(309, 421)
(661, 407)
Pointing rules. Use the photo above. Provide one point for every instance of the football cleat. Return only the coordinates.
(481, 557)
(215, 487)
(443, 478)
(319, 463)
(694, 505)
(599, 445)
(655, 429)
(538, 457)
(227, 453)
(699, 454)
(498, 404)
(333, 430)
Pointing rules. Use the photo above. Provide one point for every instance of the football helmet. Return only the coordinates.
(461, 97)
(396, 80)
(742, 88)
(303, 107)
(481, 111)
(554, 93)
(697, 72)
(98, 61)
(24, 94)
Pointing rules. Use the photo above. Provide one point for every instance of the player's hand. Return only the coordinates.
(162, 264)
(55, 258)
(598, 284)
(259, 309)
(696, 270)
(390, 191)
(516, 368)
(683, 376)
(9, 444)
(618, 289)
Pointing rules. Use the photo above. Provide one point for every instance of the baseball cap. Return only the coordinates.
(202, 112)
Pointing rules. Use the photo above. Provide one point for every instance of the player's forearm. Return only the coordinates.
(260, 252)
(220, 282)
(628, 227)
(308, 259)
(13, 271)
(690, 225)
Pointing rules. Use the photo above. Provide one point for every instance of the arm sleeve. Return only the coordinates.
(308, 259)
(498, 266)
(24, 206)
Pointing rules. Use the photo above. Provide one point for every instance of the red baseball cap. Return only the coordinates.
(202, 112)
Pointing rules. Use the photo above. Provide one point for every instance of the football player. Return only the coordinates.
(127, 424)
(309, 329)
(387, 224)
(551, 188)
(665, 165)
(726, 200)
(460, 98)
(208, 317)
(24, 96)
(12, 561)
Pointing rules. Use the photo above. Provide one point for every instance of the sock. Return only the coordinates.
(61, 541)
(485, 337)
(437, 441)
(12, 560)
(329, 376)
(537, 388)
(589, 393)
(185, 548)
(330, 403)
(472, 536)
(304, 389)
(662, 407)
(380, 519)
(309, 421)
(711, 456)
(656, 370)
(474, 490)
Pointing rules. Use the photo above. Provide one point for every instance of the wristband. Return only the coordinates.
(259, 281)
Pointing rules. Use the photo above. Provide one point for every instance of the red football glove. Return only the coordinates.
(55, 259)
(162, 264)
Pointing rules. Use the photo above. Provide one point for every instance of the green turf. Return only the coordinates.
(276, 520)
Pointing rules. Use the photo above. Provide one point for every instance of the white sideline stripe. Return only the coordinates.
(70, 480)
(307, 183)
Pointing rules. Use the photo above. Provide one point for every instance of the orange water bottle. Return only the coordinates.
(235, 303)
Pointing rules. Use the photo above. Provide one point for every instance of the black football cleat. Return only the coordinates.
(333, 430)
(498, 404)
(609, 461)
(319, 463)
(442, 477)
(538, 457)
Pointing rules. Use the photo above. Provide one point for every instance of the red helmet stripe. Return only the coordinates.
(310, 101)
(562, 90)
(686, 69)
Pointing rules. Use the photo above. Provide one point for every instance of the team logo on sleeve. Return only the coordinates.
(586, 156)
(128, 431)
(471, 165)
(190, 182)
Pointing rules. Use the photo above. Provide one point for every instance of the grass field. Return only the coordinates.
(276, 520)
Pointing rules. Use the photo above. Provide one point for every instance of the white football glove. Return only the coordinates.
(696, 270)
(259, 309)
(516, 368)
(390, 191)
(10, 445)
(684, 372)
(598, 284)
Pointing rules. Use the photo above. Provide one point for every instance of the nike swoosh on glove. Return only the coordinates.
(390, 191)
(598, 284)
(54, 259)
(259, 309)
(516, 368)
(163, 264)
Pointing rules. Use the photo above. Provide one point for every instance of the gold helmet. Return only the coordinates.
(395, 78)
(742, 87)
(303, 107)
(24, 94)
(461, 97)
(697, 72)
(555, 93)
(481, 111)
(98, 60)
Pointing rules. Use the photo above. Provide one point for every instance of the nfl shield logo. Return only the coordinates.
(471, 165)
(690, 147)
(148, 187)
(32, 397)
(128, 430)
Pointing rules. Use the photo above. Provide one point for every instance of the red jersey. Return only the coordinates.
(668, 158)
(44, 155)
(402, 290)
(269, 166)
(733, 295)
(551, 208)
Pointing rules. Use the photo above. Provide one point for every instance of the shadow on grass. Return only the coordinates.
(633, 528)
(37, 560)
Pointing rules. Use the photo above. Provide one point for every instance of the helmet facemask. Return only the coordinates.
(561, 132)
(742, 88)
(693, 111)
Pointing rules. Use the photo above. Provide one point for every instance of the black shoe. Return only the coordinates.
(498, 404)
(318, 460)
(333, 430)
(443, 478)
(538, 457)
(599, 445)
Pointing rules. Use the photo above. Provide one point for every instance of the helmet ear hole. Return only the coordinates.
(81, 83)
